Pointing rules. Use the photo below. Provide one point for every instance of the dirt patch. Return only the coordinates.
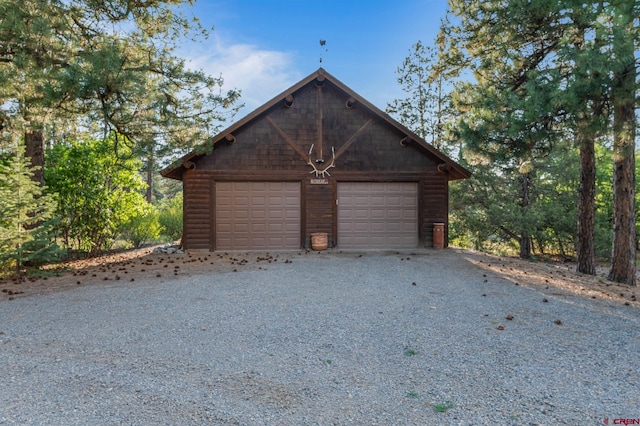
(136, 265)
(133, 266)
(557, 277)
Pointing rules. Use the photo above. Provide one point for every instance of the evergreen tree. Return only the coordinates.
(484, 215)
(508, 115)
(584, 63)
(624, 29)
(107, 66)
(25, 214)
(424, 110)
(557, 66)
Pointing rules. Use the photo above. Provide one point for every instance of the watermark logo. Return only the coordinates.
(622, 421)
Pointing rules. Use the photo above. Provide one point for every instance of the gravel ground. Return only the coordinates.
(330, 338)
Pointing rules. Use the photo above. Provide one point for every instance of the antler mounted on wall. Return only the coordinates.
(324, 171)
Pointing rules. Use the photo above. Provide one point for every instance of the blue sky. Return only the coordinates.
(264, 47)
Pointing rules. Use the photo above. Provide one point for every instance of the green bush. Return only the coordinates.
(144, 227)
(170, 217)
(97, 189)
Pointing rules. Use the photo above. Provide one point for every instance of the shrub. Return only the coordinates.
(144, 227)
(170, 217)
(97, 189)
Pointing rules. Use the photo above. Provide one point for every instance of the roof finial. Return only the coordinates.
(323, 43)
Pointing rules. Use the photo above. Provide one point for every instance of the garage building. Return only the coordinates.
(318, 158)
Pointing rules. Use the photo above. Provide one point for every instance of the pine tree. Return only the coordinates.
(24, 214)
(507, 116)
(584, 63)
(106, 66)
(571, 60)
(623, 257)
(419, 110)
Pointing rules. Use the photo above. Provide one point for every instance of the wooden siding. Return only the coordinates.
(319, 213)
(198, 208)
(434, 195)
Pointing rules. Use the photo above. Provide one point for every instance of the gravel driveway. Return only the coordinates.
(330, 338)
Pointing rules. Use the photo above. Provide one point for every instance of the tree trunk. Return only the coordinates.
(525, 201)
(623, 256)
(525, 245)
(585, 246)
(150, 158)
(34, 149)
(149, 193)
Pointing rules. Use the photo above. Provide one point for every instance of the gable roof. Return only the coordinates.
(454, 170)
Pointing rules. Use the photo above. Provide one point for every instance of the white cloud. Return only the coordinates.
(259, 74)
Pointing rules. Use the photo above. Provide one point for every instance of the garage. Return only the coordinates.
(375, 215)
(257, 215)
(316, 159)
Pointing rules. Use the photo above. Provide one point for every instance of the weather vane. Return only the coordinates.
(323, 43)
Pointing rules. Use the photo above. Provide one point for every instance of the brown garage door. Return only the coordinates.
(257, 215)
(377, 215)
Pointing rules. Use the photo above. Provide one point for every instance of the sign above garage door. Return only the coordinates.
(257, 215)
(377, 215)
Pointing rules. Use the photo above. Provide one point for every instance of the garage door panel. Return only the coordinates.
(289, 229)
(378, 214)
(224, 242)
(395, 227)
(411, 215)
(361, 213)
(361, 227)
(292, 201)
(258, 228)
(377, 201)
(410, 227)
(238, 187)
(377, 241)
(361, 201)
(378, 227)
(276, 241)
(225, 215)
(275, 228)
(241, 228)
(360, 241)
(240, 241)
(290, 242)
(258, 201)
(225, 227)
(257, 215)
(239, 214)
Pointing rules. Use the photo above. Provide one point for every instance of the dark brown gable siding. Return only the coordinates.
(257, 147)
(300, 120)
(379, 149)
(198, 208)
